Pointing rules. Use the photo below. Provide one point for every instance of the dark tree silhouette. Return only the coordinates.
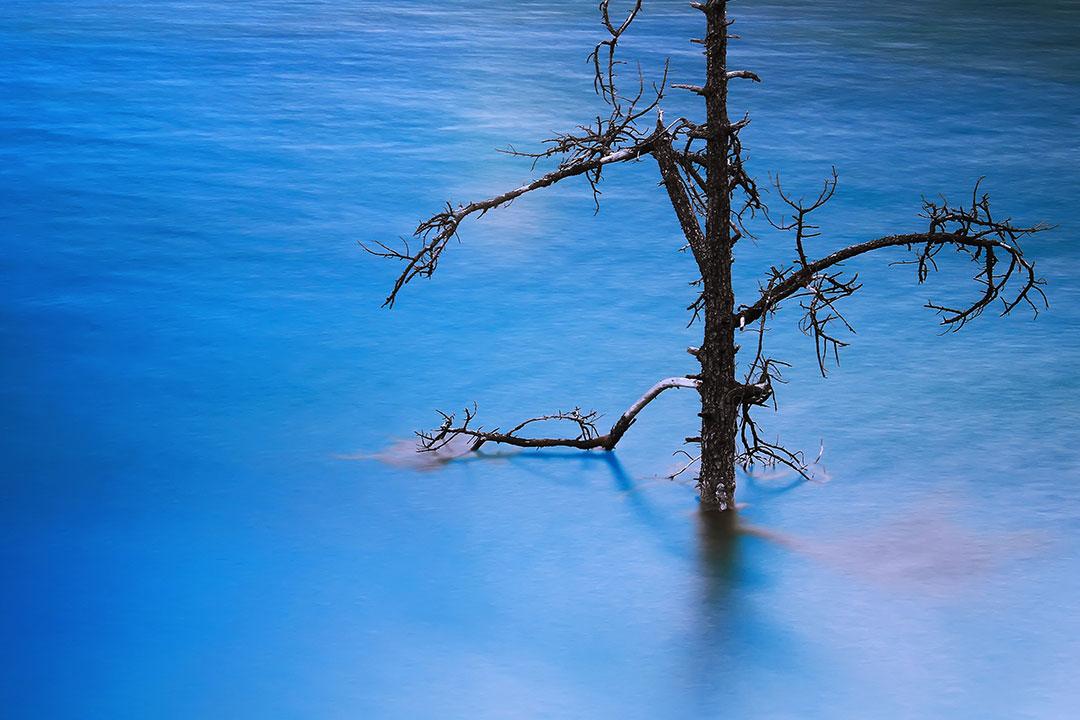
(701, 168)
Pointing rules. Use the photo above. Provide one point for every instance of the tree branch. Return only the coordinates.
(797, 281)
(587, 438)
(436, 231)
(970, 230)
(604, 80)
(677, 191)
(585, 151)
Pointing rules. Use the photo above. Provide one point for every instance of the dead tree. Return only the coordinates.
(701, 168)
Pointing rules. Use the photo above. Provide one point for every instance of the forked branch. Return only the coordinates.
(604, 68)
(972, 231)
(993, 245)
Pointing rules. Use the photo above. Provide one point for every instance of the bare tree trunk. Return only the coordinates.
(719, 407)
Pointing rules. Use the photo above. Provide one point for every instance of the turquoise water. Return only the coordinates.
(198, 377)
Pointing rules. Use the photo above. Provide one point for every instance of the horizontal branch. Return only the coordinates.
(742, 74)
(586, 439)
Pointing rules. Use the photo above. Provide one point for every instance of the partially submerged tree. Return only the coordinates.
(701, 169)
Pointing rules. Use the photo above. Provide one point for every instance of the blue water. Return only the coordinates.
(197, 377)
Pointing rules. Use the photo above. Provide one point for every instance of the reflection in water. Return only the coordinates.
(720, 612)
(764, 484)
(658, 523)
(924, 550)
(407, 454)
(725, 545)
(720, 538)
(734, 634)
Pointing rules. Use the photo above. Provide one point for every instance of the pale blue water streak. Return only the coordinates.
(192, 348)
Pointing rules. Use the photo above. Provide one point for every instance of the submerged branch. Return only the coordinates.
(587, 438)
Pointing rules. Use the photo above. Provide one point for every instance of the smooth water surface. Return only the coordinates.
(197, 375)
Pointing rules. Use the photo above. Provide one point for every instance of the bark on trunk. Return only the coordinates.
(719, 409)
